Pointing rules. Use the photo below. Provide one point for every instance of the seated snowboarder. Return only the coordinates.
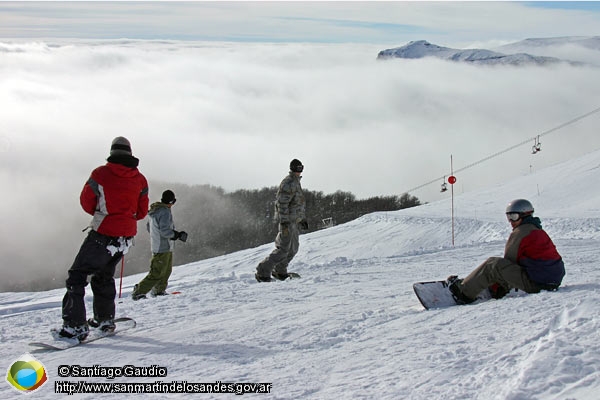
(531, 262)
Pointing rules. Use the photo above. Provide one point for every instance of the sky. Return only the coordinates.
(228, 93)
(449, 23)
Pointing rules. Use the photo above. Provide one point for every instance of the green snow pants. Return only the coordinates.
(158, 277)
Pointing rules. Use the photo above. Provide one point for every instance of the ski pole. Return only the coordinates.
(121, 279)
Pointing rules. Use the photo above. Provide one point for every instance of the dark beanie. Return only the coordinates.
(120, 146)
(296, 166)
(168, 197)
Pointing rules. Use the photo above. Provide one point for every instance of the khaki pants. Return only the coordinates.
(497, 270)
(286, 247)
(157, 279)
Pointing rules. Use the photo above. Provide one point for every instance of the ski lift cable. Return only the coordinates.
(556, 128)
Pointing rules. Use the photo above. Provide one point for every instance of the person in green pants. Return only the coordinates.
(162, 236)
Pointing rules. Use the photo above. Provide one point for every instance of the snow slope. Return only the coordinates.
(352, 327)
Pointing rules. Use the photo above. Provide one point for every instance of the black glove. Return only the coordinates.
(303, 224)
(183, 236)
(176, 236)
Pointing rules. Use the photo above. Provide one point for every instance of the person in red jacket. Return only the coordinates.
(116, 195)
(531, 262)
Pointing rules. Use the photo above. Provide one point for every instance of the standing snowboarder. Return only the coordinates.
(531, 262)
(116, 195)
(290, 213)
(162, 235)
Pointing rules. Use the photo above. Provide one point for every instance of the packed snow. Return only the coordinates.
(352, 327)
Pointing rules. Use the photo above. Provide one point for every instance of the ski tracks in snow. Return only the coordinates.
(560, 361)
(352, 327)
(567, 350)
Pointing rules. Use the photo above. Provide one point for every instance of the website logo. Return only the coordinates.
(26, 374)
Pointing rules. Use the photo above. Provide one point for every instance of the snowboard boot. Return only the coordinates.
(107, 325)
(135, 295)
(262, 278)
(280, 276)
(154, 293)
(71, 331)
(454, 286)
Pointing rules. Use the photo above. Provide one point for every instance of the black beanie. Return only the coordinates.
(296, 166)
(168, 197)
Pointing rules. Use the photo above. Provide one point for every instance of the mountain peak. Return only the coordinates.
(423, 49)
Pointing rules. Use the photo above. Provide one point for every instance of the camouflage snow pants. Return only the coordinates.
(286, 246)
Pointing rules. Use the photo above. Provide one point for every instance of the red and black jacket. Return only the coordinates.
(116, 194)
(531, 247)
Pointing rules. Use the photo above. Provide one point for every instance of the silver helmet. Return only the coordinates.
(520, 206)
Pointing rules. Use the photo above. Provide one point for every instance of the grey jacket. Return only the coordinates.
(161, 228)
(290, 204)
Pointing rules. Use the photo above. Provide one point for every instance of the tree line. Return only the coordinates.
(219, 223)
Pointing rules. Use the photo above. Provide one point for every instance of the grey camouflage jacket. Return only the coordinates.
(289, 203)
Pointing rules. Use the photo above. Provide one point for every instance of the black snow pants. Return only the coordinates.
(93, 259)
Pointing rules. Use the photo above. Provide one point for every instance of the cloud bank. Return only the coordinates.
(234, 115)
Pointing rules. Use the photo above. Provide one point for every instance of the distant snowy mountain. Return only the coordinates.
(583, 49)
(527, 45)
(422, 49)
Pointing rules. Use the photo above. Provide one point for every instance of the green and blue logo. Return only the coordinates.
(26, 374)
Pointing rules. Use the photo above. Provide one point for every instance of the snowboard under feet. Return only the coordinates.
(61, 343)
(437, 294)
